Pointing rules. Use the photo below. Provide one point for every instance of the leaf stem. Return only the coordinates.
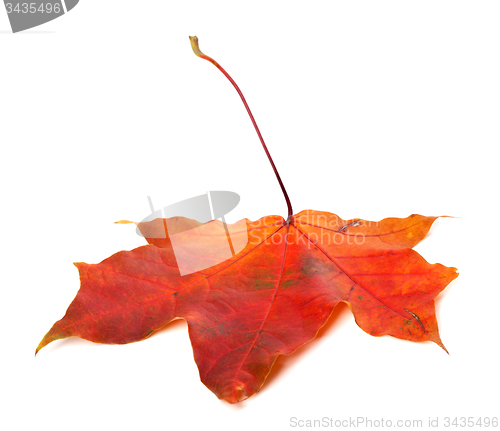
(196, 49)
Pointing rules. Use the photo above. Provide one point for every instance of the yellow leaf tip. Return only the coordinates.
(195, 46)
(123, 222)
(40, 347)
(197, 51)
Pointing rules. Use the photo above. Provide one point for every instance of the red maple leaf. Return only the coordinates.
(266, 300)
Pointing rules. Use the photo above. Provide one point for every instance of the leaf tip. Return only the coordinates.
(196, 49)
(437, 339)
(444, 348)
(123, 222)
(195, 46)
(40, 346)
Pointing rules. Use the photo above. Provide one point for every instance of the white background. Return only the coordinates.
(371, 109)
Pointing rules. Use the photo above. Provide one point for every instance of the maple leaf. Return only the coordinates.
(266, 300)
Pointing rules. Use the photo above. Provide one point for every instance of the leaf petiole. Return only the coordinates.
(196, 49)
